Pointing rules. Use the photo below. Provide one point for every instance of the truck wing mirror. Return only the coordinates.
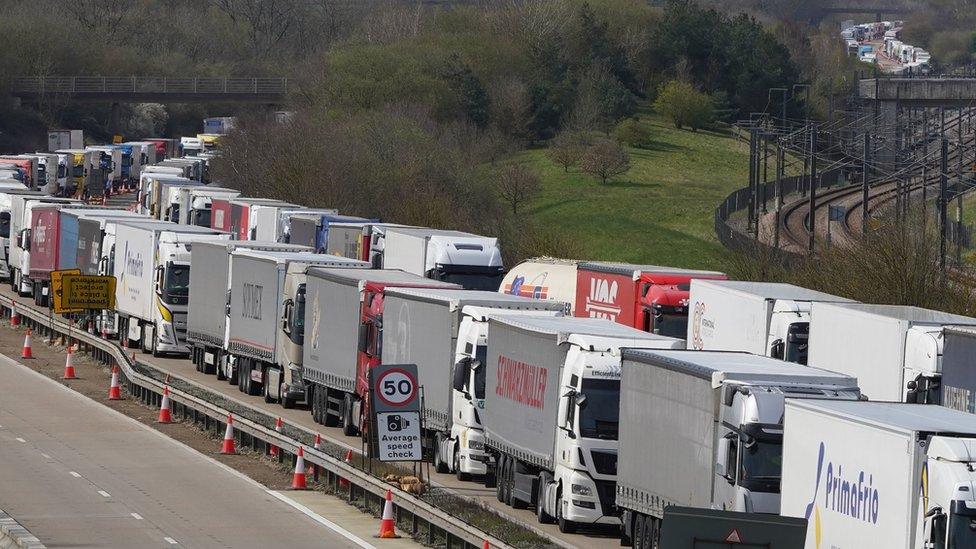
(581, 400)
(461, 373)
(776, 350)
(159, 279)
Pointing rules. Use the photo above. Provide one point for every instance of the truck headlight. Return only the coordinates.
(581, 490)
(476, 445)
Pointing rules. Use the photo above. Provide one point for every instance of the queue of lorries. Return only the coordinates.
(592, 392)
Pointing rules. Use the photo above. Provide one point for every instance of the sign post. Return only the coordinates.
(395, 399)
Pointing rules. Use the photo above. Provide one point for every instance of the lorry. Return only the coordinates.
(167, 200)
(110, 162)
(152, 270)
(470, 260)
(764, 318)
(26, 165)
(360, 239)
(959, 368)
(90, 256)
(880, 474)
(651, 298)
(207, 311)
(313, 229)
(193, 204)
(219, 125)
(343, 329)
(50, 172)
(84, 172)
(444, 332)
(705, 429)
(232, 214)
(21, 215)
(551, 413)
(6, 193)
(190, 146)
(273, 221)
(149, 192)
(259, 324)
(65, 139)
(166, 147)
(143, 155)
(894, 351)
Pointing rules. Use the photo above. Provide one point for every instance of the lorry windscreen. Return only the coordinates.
(481, 373)
(599, 415)
(201, 218)
(962, 526)
(671, 324)
(176, 283)
(797, 342)
(473, 281)
(761, 464)
(298, 317)
(78, 170)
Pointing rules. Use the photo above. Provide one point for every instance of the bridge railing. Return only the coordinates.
(149, 84)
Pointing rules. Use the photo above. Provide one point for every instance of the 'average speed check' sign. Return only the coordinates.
(394, 397)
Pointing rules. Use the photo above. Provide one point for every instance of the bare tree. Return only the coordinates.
(605, 159)
(566, 149)
(517, 184)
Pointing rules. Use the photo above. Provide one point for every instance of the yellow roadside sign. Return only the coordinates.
(82, 292)
(56, 283)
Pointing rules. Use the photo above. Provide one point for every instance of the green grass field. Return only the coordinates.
(659, 212)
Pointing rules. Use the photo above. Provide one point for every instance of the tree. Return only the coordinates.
(631, 132)
(566, 149)
(517, 184)
(605, 159)
(684, 105)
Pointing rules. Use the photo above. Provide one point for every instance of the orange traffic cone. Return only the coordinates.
(273, 450)
(114, 390)
(229, 445)
(317, 445)
(27, 353)
(298, 480)
(388, 524)
(486, 545)
(164, 414)
(14, 315)
(69, 367)
(344, 482)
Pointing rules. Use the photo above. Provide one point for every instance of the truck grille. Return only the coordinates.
(604, 462)
(607, 490)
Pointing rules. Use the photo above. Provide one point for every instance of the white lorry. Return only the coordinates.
(206, 323)
(763, 318)
(21, 212)
(6, 192)
(472, 261)
(444, 332)
(193, 205)
(705, 429)
(257, 340)
(894, 351)
(265, 220)
(149, 190)
(880, 474)
(152, 270)
(551, 413)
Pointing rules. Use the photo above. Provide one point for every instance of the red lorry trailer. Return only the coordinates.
(232, 214)
(647, 297)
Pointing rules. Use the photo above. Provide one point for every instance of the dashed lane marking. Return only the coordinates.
(136, 516)
(74, 474)
(104, 494)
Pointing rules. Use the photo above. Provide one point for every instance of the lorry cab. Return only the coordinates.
(210, 141)
(109, 161)
(195, 203)
(79, 171)
(190, 146)
(949, 489)
(472, 261)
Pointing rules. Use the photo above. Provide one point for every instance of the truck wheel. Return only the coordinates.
(462, 476)
(509, 469)
(500, 481)
(253, 387)
(328, 419)
(638, 532)
(267, 392)
(348, 428)
(315, 402)
(221, 374)
(565, 526)
(439, 465)
(240, 375)
(517, 470)
(540, 501)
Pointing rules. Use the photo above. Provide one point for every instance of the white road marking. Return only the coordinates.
(45, 456)
(323, 521)
(74, 474)
(136, 516)
(104, 494)
(170, 541)
(20, 440)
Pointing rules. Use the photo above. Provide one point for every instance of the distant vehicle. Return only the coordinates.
(895, 352)
(194, 204)
(65, 139)
(234, 214)
(880, 474)
(705, 429)
(219, 125)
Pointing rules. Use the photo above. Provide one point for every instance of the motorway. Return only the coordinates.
(77, 474)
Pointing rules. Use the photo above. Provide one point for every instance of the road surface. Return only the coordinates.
(78, 474)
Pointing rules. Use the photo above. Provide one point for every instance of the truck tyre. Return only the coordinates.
(221, 374)
(638, 532)
(500, 480)
(328, 419)
(439, 465)
(253, 387)
(348, 428)
(240, 375)
(462, 476)
(565, 526)
(267, 392)
(318, 404)
(540, 501)
(509, 470)
(517, 469)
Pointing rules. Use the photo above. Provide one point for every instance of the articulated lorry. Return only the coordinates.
(65, 139)
(21, 215)
(6, 192)
(444, 332)
(84, 173)
(313, 229)
(551, 413)
(166, 147)
(469, 260)
(265, 220)
(194, 204)
(152, 270)
(705, 429)
(343, 325)
(265, 357)
(167, 200)
(880, 474)
(210, 286)
(233, 214)
(543, 278)
(281, 231)
(763, 318)
(894, 351)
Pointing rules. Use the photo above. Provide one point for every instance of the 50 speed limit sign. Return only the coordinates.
(395, 387)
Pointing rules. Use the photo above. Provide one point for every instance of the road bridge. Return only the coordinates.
(152, 89)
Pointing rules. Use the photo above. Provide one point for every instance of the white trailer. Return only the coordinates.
(763, 318)
(271, 222)
(470, 260)
(895, 352)
(880, 474)
(543, 278)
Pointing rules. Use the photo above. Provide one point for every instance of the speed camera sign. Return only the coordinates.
(395, 387)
